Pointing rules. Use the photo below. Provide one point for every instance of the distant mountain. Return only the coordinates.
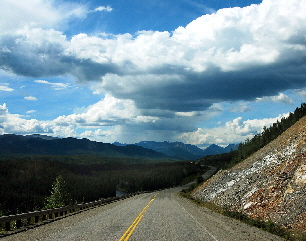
(42, 145)
(215, 149)
(181, 150)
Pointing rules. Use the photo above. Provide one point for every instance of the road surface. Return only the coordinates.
(155, 216)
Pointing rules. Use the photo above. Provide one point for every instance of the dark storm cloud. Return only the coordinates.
(198, 91)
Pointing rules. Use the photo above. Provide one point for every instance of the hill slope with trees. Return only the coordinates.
(269, 184)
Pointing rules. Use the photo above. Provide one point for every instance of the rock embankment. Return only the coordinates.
(269, 185)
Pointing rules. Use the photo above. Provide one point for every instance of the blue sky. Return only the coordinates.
(200, 72)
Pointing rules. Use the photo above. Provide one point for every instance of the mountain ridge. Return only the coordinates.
(35, 145)
(46, 145)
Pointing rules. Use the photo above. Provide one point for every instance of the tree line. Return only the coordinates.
(250, 146)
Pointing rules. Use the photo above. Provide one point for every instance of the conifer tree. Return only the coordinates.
(59, 194)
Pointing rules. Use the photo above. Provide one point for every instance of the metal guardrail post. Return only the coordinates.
(18, 223)
(7, 226)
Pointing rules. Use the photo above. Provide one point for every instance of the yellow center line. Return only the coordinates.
(127, 234)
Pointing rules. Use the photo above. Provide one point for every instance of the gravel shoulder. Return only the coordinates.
(222, 227)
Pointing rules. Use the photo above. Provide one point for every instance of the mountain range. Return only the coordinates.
(181, 150)
(11, 144)
(46, 145)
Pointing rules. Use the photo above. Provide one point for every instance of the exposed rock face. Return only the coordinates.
(269, 185)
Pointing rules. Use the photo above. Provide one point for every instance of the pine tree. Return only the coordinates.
(59, 195)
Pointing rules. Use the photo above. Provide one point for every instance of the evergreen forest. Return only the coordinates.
(28, 182)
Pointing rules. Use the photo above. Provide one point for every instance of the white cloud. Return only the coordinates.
(111, 120)
(189, 114)
(107, 112)
(301, 93)
(14, 123)
(281, 98)
(240, 107)
(160, 82)
(31, 111)
(37, 13)
(5, 88)
(215, 53)
(210, 60)
(100, 135)
(102, 8)
(31, 98)
(202, 7)
(234, 131)
(55, 86)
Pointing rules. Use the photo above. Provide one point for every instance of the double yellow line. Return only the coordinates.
(135, 223)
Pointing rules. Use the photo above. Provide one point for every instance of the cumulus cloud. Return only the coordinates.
(17, 124)
(107, 112)
(233, 131)
(14, 123)
(233, 54)
(112, 119)
(226, 56)
(162, 79)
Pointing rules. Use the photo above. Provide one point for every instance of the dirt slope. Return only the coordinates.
(269, 185)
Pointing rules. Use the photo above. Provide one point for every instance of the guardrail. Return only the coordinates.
(51, 214)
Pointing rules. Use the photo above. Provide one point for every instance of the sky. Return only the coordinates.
(199, 72)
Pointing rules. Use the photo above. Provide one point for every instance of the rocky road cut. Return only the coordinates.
(155, 216)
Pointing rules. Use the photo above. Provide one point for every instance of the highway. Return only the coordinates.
(162, 215)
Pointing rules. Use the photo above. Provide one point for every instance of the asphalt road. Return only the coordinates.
(161, 215)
